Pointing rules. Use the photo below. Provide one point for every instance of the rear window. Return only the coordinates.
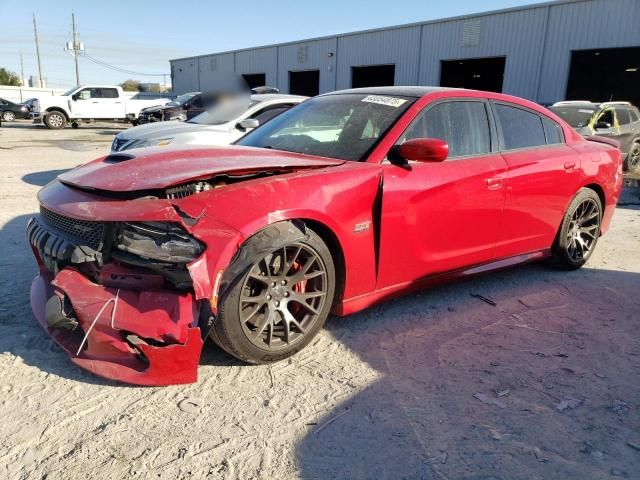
(623, 115)
(519, 128)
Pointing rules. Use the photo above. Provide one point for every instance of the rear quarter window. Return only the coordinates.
(552, 131)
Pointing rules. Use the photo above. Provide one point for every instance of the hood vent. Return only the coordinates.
(118, 157)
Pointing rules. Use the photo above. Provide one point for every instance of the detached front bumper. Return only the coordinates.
(152, 339)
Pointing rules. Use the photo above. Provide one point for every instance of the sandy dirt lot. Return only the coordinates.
(438, 385)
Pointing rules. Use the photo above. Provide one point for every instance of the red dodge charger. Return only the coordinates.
(348, 199)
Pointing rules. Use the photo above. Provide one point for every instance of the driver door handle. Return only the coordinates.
(494, 183)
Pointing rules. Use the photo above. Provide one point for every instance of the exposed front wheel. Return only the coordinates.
(55, 120)
(579, 231)
(8, 116)
(632, 163)
(280, 302)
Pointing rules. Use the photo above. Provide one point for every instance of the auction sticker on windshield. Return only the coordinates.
(384, 100)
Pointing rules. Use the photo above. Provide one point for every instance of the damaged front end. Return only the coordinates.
(119, 296)
(131, 254)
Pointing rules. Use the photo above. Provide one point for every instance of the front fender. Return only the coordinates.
(340, 198)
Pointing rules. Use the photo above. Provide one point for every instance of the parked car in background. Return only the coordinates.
(88, 103)
(617, 120)
(211, 127)
(9, 111)
(185, 107)
(343, 201)
(265, 89)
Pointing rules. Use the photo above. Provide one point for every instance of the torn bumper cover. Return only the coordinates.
(152, 339)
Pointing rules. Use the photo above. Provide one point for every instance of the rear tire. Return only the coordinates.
(578, 235)
(632, 162)
(276, 305)
(55, 120)
(8, 116)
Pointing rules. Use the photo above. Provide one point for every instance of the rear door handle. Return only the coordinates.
(494, 183)
(569, 166)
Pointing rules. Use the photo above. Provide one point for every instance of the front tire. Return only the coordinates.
(277, 305)
(578, 235)
(55, 120)
(632, 162)
(8, 116)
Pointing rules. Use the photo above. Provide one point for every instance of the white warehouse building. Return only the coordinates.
(566, 49)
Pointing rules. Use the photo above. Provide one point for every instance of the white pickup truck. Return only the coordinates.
(89, 102)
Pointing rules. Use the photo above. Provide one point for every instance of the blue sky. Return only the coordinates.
(143, 35)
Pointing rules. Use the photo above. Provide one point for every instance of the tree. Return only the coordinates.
(7, 77)
(130, 85)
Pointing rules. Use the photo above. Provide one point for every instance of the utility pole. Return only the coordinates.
(76, 48)
(21, 75)
(35, 32)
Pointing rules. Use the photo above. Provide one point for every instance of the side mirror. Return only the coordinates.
(248, 123)
(186, 106)
(74, 97)
(424, 150)
(603, 126)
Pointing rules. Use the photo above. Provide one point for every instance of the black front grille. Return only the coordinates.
(88, 232)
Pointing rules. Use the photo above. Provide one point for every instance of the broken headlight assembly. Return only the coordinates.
(162, 241)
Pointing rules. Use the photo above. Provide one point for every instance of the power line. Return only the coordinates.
(119, 69)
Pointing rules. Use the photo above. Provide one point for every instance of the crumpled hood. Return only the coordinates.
(155, 108)
(150, 131)
(158, 168)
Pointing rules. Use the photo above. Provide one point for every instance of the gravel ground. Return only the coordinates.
(543, 385)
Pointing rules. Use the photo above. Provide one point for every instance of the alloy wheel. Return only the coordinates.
(633, 163)
(282, 296)
(583, 231)
(8, 116)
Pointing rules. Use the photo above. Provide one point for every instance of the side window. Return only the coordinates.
(84, 94)
(519, 128)
(464, 125)
(552, 131)
(263, 116)
(196, 102)
(108, 92)
(623, 116)
(606, 117)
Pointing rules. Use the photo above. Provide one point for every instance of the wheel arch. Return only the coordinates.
(332, 241)
(599, 191)
(58, 109)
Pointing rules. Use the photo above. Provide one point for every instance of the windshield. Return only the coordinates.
(344, 126)
(69, 92)
(221, 113)
(576, 116)
(181, 100)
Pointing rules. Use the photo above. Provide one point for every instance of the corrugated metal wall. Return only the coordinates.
(537, 42)
(398, 46)
(583, 26)
(314, 55)
(518, 36)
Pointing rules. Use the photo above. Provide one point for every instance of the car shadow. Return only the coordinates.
(42, 178)
(470, 390)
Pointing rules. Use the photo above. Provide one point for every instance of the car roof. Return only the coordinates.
(408, 91)
(263, 97)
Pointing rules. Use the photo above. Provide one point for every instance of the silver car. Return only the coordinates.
(215, 126)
